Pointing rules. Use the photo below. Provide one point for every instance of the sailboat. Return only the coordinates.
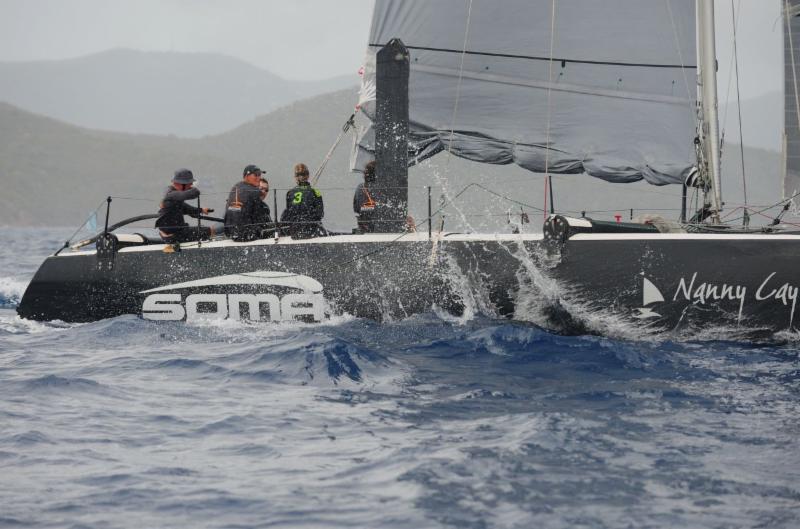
(536, 83)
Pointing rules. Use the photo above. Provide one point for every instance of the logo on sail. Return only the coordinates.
(650, 294)
(253, 296)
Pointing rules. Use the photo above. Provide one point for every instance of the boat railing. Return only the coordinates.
(516, 212)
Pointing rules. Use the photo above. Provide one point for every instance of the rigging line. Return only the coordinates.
(346, 127)
(557, 59)
(730, 70)
(100, 205)
(443, 182)
(739, 106)
(458, 84)
(680, 55)
(548, 181)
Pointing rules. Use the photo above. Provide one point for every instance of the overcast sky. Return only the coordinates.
(298, 39)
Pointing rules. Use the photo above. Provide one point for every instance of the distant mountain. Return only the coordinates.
(53, 173)
(185, 94)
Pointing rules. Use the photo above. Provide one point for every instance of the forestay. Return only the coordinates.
(619, 95)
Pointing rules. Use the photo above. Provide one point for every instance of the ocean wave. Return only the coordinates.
(11, 291)
(55, 382)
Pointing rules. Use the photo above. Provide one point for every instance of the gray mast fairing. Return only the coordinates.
(391, 137)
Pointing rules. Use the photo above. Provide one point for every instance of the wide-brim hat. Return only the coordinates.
(183, 176)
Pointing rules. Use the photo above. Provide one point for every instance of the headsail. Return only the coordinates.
(791, 140)
(620, 98)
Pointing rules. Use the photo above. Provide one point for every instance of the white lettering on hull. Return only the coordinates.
(306, 304)
(705, 292)
(203, 307)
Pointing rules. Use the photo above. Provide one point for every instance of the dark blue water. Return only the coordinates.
(419, 423)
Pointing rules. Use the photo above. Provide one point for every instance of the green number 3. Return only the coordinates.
(298, 197)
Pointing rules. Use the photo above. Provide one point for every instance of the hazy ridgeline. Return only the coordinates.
(54, 173)
(186, 94)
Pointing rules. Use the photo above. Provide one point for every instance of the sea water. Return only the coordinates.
(425, 422)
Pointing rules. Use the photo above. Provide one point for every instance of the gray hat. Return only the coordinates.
(183, 176)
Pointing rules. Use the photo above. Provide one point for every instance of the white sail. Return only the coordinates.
(617, 101)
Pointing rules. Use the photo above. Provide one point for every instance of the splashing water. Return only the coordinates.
(422, 422)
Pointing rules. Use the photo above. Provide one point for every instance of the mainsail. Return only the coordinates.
(610, 91)
(791, 140)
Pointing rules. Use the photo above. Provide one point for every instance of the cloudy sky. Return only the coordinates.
(298, 39)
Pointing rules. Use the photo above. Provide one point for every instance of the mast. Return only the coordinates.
(708, 84)
(391, 136)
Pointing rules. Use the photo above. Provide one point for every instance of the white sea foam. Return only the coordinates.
(11, 290)
(12, 324)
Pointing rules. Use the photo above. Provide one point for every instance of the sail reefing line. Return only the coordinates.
(546, 59)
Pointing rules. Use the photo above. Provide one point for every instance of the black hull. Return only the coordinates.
(659, 282)
(377, 279)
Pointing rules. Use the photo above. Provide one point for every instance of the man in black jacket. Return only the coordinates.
(264, 213)
(304, 208)
(245, 218)
(170, 223)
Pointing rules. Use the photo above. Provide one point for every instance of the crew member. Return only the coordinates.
(363, 203)
(171, 225)
(244, 215)
(304, 208)
(264, 213)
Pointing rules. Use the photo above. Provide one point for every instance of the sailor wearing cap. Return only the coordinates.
(246, 215)
(170, 223)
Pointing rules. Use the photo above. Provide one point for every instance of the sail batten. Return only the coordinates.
(618, 103)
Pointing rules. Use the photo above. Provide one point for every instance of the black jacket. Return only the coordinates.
(174, 207)
(364, 206)
(247, 219)
(304, 210)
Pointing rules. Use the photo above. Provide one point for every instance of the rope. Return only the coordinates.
(78, 230)
(349, 123)
(739, 103)
(547, 181)
(730, 75)
(443, 180)
(458, 84)
(689, 97)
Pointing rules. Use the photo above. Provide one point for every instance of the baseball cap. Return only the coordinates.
(252, 169)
